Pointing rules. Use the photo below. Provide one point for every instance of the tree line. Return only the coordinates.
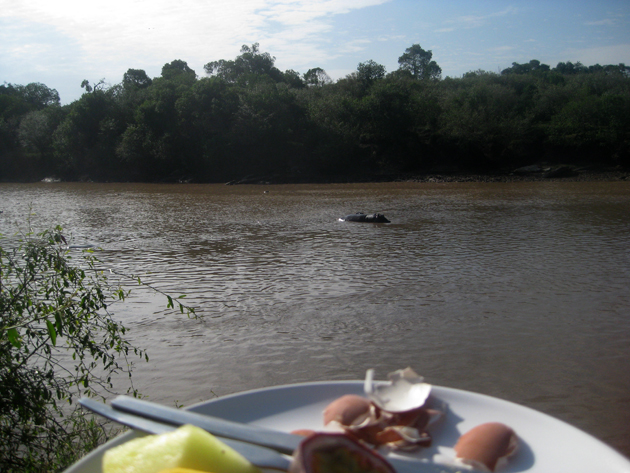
(247, 117)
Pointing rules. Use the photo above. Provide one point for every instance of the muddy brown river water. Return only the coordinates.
(520, 291)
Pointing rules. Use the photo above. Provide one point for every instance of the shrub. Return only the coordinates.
(58, 341)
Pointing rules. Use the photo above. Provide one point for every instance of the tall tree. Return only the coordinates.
(316, 77)
(570, 68)
(532, 66)
(100, 85)
(85, 140)
(25, 109)
(38, 95)
(136, 78)
(369, 72)
(250, 62)
(417, 62)
(293, 79)
(179, 70)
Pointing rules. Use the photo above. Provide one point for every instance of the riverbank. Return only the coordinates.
(533, 173)
(577, 176)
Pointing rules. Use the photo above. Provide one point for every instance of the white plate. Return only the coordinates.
(546, 444)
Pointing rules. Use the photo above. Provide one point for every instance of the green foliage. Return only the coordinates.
(58, 341)
(248, 117)
(293, 79)
(245, 67)
(84, 142)
(594, 124)
(178, 70)
(417, 62)
(99, 86)
(136, 79)
(34, 96)
(369, 72)
(28, 116)
(316, 77)
(533, 66)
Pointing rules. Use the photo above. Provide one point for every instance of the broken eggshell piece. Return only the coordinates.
(392, 415)
(405, 391)
(487, 446)
(357, 416)
(348, 410)
(400, 437)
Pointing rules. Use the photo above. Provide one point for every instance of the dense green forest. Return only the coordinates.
(245, 117)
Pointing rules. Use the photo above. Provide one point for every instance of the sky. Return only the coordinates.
(60, 43)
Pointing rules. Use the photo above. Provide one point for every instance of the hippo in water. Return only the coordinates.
(361, 217)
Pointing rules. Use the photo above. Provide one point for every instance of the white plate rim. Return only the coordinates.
(575, 451)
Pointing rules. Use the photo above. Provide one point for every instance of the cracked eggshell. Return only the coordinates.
(348, 410)
(399, 437)
(487, 446)
(405, 391)
(420, 418)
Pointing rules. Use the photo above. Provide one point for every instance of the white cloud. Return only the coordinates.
(354, 46)
(300, 12)
(197, 29)
(113, 36)
(396, 37)
(336, 74)
(475, 21)
(603, 55)
(501, 49)
(605, 22)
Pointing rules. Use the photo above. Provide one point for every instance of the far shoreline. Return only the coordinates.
(533, 173)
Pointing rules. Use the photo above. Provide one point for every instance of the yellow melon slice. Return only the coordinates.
(186, 447)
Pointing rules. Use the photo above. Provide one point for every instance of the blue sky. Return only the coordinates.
(61, 42)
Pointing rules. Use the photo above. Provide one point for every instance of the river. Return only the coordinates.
(515, 290)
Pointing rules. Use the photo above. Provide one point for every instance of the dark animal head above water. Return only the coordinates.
(361, 217)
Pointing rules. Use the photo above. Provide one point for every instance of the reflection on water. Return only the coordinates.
(515, 290)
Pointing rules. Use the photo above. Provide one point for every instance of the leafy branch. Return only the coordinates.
(58, 341)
